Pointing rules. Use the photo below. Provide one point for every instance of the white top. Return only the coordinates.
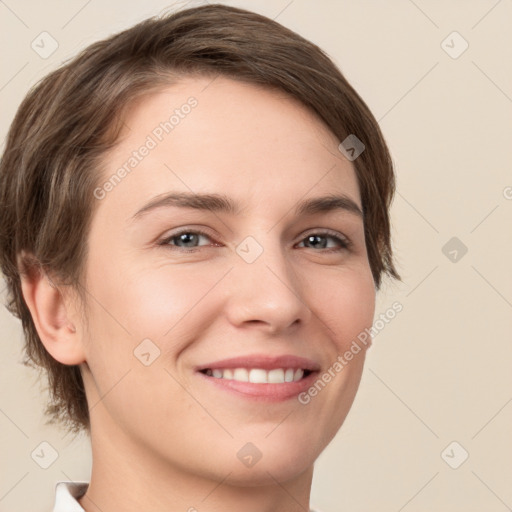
(67, 493)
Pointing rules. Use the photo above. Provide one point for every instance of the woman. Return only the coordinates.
(195, 224)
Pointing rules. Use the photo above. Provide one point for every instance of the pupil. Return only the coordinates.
(187, 237)
(314, 238)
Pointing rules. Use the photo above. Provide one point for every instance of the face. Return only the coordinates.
(176, 290)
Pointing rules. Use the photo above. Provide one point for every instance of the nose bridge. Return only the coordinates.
(265, 287)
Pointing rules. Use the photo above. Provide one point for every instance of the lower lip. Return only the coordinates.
(263, 392)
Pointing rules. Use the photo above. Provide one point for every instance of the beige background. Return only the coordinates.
(440, 371)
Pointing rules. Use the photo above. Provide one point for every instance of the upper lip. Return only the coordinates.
(263, 361)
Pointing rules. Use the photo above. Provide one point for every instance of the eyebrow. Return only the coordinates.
(222, 203)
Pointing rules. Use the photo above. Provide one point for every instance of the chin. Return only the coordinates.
(277, 457)
(267, 472)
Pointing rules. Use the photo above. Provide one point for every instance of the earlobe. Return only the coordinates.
(50, 314)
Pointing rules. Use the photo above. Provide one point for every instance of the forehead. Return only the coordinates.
(220, 135)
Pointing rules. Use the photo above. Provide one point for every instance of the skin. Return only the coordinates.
(162, 438)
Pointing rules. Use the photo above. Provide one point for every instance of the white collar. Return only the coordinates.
(66, 494)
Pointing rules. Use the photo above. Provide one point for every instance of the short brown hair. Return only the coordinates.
(72, 117)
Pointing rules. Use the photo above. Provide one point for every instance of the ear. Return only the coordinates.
(50, 312)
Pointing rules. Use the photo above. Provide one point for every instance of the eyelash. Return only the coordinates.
(344, 243)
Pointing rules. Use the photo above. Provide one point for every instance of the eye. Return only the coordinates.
(185, 239)
(319, 240)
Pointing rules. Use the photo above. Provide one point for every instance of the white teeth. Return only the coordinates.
(288, 376)
(258, 375)
(241, 374)
(276, 376)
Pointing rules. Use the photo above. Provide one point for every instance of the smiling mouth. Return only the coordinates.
(258, 375)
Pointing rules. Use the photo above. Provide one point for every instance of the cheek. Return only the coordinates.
(162, 300)
(161, 304)
(170, 305)
(345, 303)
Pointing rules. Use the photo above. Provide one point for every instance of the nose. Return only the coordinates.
(266, 293)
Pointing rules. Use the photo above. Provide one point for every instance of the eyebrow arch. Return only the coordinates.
(222, 203)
